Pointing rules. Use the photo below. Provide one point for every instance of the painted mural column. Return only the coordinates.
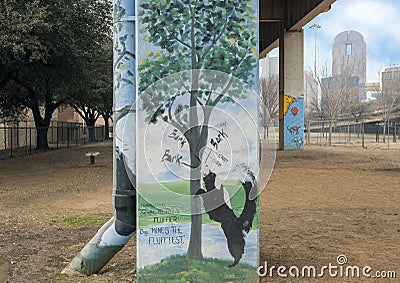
(291, 90)
(114, 234)
(197, 155)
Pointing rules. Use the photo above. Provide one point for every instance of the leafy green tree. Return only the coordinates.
(43, 48)
(21, 24)
(93, 98)
(116, 232)
(211, 34)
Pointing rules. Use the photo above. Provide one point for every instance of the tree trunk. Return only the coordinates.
(265, 133)
(384, 132)
(42, 127)
(377, 133)
(92, 134)
(363, 133)
(106, 127)
(41, 138)
(194, 249)
(90, 122)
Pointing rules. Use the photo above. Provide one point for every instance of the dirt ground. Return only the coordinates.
(320, 203)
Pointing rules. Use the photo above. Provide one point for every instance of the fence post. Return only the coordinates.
(76, 134)
(17, 136)
(388, 132)
(30, 140)
(348, 132)
(363, 134)
(11, 141)
(395, 132)
(68, 136)
(26, 133)
(5, 138)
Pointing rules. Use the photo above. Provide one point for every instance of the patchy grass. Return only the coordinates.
(84, 221)
(182, 269)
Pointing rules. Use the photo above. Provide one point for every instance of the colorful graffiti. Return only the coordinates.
(293, 115)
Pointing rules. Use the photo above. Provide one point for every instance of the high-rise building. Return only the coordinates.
(269, 66)
(349, 58)
(349, 64)
(390, 74)
(391, 81)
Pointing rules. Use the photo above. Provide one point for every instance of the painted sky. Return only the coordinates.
(377, 20)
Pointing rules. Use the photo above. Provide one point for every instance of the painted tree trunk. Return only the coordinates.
(194, 249)
(113, 236)
(196, 57)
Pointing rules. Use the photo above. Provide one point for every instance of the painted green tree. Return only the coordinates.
(192, 35)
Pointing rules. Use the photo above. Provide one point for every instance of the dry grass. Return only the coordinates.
(319, 203)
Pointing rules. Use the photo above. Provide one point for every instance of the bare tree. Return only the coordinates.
(356, 108)
(388, 100)
(269, 101)
(336, 93)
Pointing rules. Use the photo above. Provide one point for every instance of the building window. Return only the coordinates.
(348, 49)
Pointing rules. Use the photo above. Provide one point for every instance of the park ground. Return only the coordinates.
(319, 203)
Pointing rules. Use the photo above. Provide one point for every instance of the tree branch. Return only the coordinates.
(124, 52)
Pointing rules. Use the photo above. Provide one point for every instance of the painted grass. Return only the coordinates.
(182, 269)
(161, 195)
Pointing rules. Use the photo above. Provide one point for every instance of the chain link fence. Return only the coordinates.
(20, 138)
(351, 133)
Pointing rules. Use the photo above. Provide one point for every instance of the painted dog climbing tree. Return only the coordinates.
(197, 115)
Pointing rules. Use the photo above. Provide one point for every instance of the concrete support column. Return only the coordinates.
(291, 90)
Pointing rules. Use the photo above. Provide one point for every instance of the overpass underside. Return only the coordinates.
(281, 25)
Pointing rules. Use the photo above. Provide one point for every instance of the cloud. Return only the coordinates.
(376, 20)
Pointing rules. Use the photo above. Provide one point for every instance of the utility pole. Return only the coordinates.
(315, 27)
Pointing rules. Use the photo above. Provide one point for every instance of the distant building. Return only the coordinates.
(67, 114)
(349, 55)
(372, 89)
(269, 66)
(349, 64)
(390, 74)
(334, 83)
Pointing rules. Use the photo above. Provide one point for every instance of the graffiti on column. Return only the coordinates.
(293, 113)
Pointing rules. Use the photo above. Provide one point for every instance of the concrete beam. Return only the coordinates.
(289, 15)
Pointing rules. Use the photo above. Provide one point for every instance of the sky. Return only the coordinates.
(377, 20)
